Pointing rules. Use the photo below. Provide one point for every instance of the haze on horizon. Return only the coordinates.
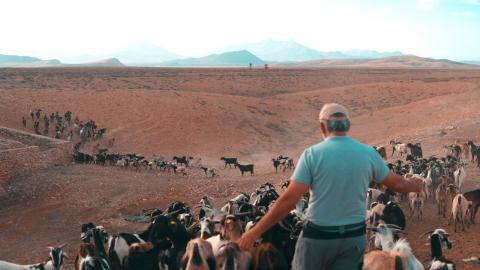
(54, 28)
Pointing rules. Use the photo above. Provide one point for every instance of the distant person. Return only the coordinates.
(24, 122)
(250, 66)
(266, 66)
(337, 173)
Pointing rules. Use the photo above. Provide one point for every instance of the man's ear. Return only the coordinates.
(323, 128)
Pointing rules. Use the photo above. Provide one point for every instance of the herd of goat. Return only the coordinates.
(63, 125)
(178, 164)
(179, 238)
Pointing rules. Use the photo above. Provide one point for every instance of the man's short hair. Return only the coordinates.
(341, 124)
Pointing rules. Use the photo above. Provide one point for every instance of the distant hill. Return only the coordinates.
(16, 59)
(32, 62)
(227, 59)
(110, 62)
(43, 63)
(370, 54)
(285, 51)
(292, 51)
(140, 54)
(144, 54)
(407, 61)
(472, 62)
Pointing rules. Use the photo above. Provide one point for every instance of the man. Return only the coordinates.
(337, 172)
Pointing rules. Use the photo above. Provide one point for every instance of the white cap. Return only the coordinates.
(330, 109)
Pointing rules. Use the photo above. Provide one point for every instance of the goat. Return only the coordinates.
(460, 211)
(381, 260)
(231, 230)
(229, 161)
(231, 257)
(389, 213)
(460, 176)
(415, 150)
(382, 151)
(162, 227)
(147, 256)
(93, 256)
(198, 256)
(207, 228)
(276, 164)
(473, 149)
(401, 148)
(206, 208)
(417, 201)
(245, 168)
(207, 170)
(400, 251)
(372, 195)
(441, 197)
(474, 197)
(475, 260)
(55, 261)
(268, 257)
(438, 241)
(182, 160)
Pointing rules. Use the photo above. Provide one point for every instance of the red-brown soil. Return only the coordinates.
(208, 113)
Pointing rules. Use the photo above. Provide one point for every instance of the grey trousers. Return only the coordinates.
(335, 254)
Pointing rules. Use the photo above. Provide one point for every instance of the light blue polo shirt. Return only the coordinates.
(338, 171)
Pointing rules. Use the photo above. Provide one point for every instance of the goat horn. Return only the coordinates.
(193, 225)
(63, 245)
(244, 213)
(429, 232)
(174, 212)
(393, 226)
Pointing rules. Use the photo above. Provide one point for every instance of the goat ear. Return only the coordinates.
(65, 255)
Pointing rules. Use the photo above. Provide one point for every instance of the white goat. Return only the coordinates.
(384, 239)
(460, 174)
(55, 261)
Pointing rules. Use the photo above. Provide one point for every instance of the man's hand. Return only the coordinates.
(277, 212)
(416, 184)
(399, 184)
(247, 240)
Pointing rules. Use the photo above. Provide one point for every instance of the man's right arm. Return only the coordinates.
(399, 184)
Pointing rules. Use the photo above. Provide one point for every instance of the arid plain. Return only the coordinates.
(208, 113)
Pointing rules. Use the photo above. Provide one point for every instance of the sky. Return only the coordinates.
(56, 28)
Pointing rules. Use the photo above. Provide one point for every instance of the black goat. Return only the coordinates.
(245, 168)
(230, 161)
(439, 240)
(182, 160)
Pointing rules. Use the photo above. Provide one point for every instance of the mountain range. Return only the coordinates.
(275, 52)
(27, 61)
(404, 61)
(138, 54)
(228, 59)
(292, 51)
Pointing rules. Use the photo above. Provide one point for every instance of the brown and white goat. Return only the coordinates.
(460, 211)
(230, 231)
(441, 197)
(230, 256)
(198, 256)
(416, 203)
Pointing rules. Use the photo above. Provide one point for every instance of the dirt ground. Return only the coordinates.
(209, 113)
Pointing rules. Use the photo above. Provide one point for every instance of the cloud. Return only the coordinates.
(464, 14)
(428, 5)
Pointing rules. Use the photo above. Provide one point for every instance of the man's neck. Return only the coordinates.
(337, 134)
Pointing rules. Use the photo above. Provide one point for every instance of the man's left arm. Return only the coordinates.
(280, 209)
